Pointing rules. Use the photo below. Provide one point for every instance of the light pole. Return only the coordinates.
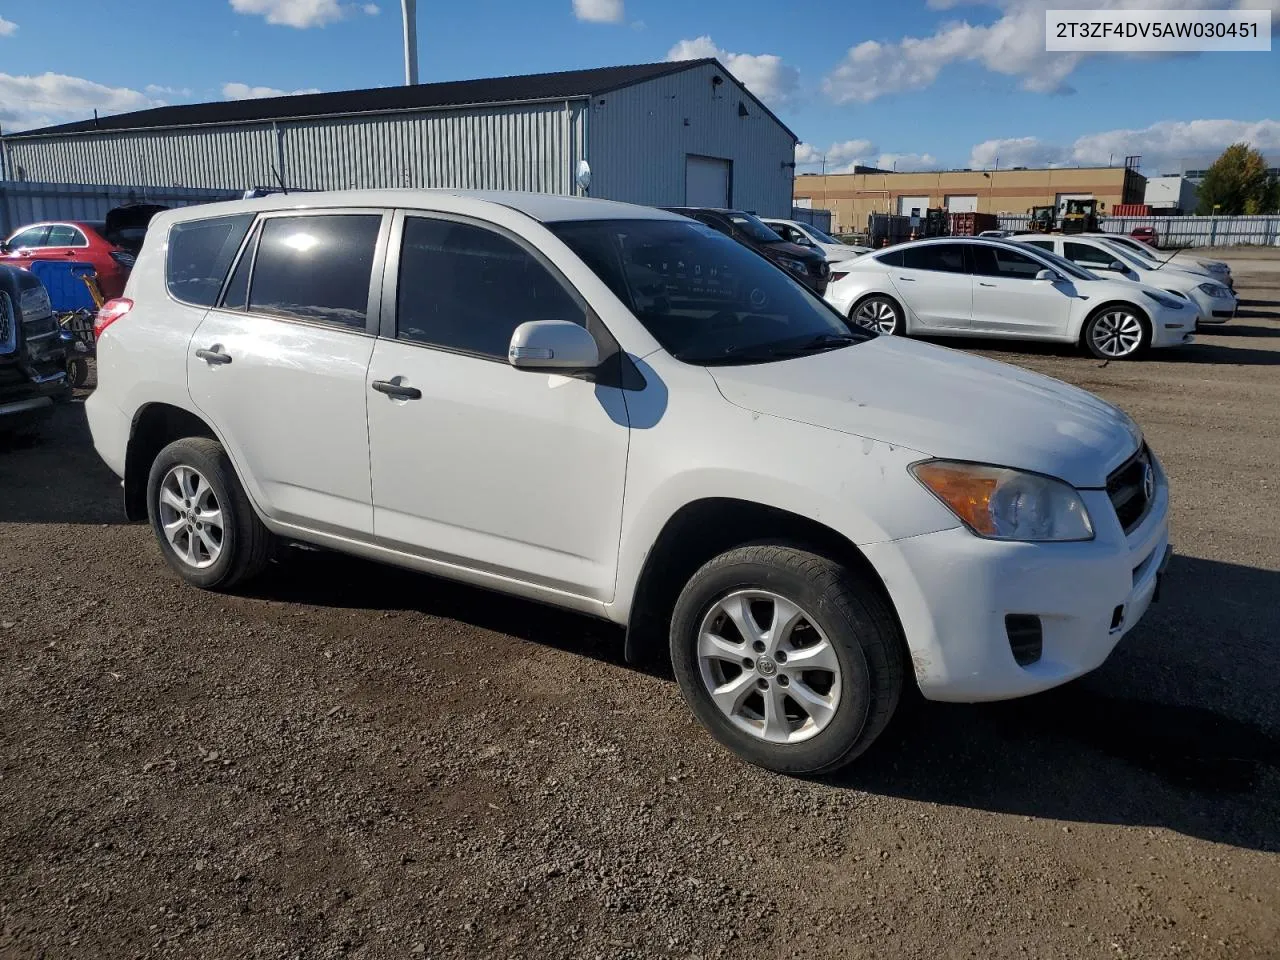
(409, 8)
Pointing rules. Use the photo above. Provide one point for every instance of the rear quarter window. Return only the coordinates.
(200, 253)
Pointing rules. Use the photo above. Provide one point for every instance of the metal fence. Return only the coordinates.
(1185, 231)
(23, 202)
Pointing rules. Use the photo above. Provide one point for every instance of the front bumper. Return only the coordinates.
(953, 590)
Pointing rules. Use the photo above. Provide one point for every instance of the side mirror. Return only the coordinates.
(4, 246)
(553, 345)
(1050, 275)
(1117, 266)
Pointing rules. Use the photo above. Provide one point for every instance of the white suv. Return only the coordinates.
(621, 411)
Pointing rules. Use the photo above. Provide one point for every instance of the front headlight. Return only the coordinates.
(1003, 504)
(795, 266)
(1215, 290)
(1165, 300)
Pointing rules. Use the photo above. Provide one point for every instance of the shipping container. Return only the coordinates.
(1131, 210)
(972, 224)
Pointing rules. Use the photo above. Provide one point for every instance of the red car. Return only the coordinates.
(1147, 235)
(111, 245)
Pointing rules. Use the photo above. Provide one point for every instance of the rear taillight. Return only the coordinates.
(110, 312)
(836, 275)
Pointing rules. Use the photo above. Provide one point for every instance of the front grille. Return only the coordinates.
(1132, 488)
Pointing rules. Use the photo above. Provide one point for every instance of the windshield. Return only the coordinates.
(706, 298)
(816, 234)
(1131, 258)
(755, 228)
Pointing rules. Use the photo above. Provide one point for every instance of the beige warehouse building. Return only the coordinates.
(852, 196)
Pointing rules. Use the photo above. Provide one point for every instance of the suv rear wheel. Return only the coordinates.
(207, 529)
(788, 658)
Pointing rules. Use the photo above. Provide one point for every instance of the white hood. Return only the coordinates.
(942, 403)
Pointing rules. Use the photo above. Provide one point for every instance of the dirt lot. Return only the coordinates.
(357, 761)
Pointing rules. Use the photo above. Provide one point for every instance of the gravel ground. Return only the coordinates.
(356, 761)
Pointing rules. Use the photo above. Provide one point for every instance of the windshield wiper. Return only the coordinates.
(778, 350)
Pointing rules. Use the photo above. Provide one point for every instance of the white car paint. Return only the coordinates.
(1214, 301)
(515, 480)
(1218, 269)
(807, 235)
(1014, 308)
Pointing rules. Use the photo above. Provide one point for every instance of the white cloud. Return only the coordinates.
(36, 101)
(599, 11)
(844, 157)
(1011, 45)
(764, 74)
(300, 14)
(1165, 147)
(903, 162)
(242, 91)
(371, 9)
(155, 90)
(7, 27)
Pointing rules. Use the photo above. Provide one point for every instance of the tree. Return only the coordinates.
(1238, 183)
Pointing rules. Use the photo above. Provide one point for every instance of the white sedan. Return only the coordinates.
(807, 235)
(997, 288)
(1213, 300)
(1183, 260)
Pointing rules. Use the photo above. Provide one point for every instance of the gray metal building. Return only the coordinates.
(661, 134)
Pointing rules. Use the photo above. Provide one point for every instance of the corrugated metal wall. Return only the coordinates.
(23, 203)
(526, 147)
(638, 138)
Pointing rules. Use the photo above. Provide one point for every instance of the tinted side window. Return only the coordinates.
(237, 294)
(1087, 255)
(316, 268)
(999, 262)
(467, 288)
(33, 237)
(200, 251)
(942, 257)
(1042, 244)
(892, 258)
(65, 235)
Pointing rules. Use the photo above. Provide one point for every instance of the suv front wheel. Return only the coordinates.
(788, 658)
(206, 526)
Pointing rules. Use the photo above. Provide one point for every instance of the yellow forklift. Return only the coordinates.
(1081, 216)
(1043, 219)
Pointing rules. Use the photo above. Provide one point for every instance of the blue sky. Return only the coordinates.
(919, 83)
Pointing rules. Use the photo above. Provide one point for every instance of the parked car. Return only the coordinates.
(1218, 269)
(996, 234)
(807, 235)
(998, 288)
(1214, 301)
(33, 355)
(466, 384)
(1146, 235)
(805, 264)
(110, 245)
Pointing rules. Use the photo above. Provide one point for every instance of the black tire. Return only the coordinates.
(888, 319)
(1090, 334)
(78, 371)
(246, 544)
(856, 620)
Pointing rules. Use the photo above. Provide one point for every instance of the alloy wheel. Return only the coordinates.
(768, 667)
(1116, 333)
(191, 517)
(876, 314)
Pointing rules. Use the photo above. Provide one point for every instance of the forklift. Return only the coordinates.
(1043, 219)
(1081, 216)
(935, 222)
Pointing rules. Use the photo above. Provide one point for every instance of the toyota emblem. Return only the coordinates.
(1148, 481)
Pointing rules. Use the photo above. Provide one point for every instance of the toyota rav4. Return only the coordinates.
(621, 411)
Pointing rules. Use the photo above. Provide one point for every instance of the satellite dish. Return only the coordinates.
(583, 176)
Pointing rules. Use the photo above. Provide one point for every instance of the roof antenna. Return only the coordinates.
(95, 117)
(279, 180)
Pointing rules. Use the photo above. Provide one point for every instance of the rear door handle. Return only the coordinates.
(397, 391)
(908, 279)
(213, 355)
(982, 284)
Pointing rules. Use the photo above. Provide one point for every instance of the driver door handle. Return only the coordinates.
(397, 391)
(908, 279)
(983, 284)
(213, 355)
